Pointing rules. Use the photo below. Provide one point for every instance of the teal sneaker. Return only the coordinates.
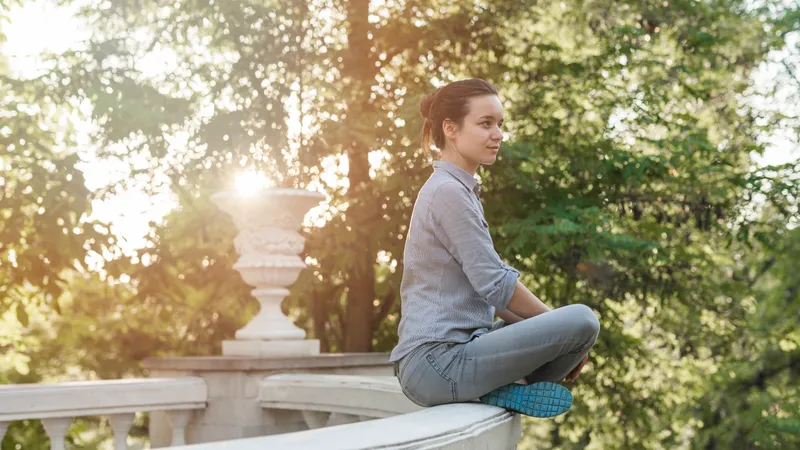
(542, 399)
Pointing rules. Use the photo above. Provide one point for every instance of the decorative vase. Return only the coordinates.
(269, 245)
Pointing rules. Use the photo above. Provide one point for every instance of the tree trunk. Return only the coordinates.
(361, 281)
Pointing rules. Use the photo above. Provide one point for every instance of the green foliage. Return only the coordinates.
(44, 205)
(626, 183)
(45, 238)
(753, 394)
(44, 201)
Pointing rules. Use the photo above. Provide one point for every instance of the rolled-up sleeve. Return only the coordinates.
(460, 227)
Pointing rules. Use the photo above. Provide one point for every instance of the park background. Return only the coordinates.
(649, 170)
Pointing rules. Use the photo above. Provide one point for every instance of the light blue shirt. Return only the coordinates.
(453, 279)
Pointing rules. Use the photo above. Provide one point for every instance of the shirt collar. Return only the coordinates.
(459, 174)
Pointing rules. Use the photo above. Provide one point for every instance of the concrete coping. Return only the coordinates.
(100, 397)
(464, 425)
(373, 397)
(249, 363)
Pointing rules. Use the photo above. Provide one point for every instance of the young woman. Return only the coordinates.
(453, 284)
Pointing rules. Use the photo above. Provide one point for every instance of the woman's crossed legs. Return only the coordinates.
(543, 348)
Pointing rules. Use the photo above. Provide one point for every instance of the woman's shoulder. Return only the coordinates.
(442, 191)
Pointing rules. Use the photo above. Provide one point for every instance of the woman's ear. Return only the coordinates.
(450, 128)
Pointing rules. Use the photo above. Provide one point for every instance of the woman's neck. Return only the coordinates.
(454, 158)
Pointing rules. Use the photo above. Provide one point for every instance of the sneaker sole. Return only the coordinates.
(542, 399)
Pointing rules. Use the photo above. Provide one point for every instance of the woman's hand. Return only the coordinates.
(572, 376)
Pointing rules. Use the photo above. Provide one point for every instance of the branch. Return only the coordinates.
(386, 305)
(791, 72)
(318, 317)
(664, 199)
(762, 375)
(764, 268)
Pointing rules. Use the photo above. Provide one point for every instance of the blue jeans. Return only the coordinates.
(543, 348)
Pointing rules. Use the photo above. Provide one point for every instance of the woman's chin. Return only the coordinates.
(489, 160)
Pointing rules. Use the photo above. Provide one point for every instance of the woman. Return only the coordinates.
(454, 282)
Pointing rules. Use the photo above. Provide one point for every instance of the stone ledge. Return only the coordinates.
(100, 397)
(246, 363)
(371, 397)
(463, 426)
(271, 349)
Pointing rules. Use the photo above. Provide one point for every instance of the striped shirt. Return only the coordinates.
(453, 279)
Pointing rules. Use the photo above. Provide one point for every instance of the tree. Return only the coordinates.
(624, 184)
(752, 394)
(43, 201)
(45, 236)
(625, 189)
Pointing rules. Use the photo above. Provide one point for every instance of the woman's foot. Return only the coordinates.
(543, 399)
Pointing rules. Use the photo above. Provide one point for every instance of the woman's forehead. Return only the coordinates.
(486, 105)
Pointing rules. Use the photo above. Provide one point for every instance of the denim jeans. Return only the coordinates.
(543, 348)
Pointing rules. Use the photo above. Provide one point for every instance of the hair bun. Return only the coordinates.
(426, 105)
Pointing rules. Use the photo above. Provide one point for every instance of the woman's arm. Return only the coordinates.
(460, 227)
(508, 317)
(524, 304)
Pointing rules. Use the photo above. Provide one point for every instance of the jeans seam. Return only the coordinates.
(437, 369)
(514, 352)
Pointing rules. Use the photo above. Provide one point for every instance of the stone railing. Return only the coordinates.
(119, 400)
(457, 426)
(357, 412)
(326, 400)
(339, 411)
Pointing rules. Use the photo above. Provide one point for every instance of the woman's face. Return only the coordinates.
(478, 140)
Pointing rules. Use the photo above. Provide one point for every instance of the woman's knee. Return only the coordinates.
(585, 322)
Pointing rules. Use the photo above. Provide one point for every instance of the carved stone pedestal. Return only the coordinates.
(268, 244)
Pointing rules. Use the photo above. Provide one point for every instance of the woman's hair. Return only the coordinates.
(449, 102)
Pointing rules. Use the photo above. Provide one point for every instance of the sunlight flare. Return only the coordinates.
(250, 182)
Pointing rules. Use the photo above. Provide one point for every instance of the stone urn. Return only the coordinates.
(269, 245)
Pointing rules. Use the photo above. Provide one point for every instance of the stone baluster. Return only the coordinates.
(57, 428)
(179, 420)
(121, 424)
(315, 419)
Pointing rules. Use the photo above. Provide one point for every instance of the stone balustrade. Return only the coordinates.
(358, 412)
(119, 400)
(458, 426)
(338, 411)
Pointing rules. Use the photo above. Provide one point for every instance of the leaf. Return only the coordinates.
(22, 314)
